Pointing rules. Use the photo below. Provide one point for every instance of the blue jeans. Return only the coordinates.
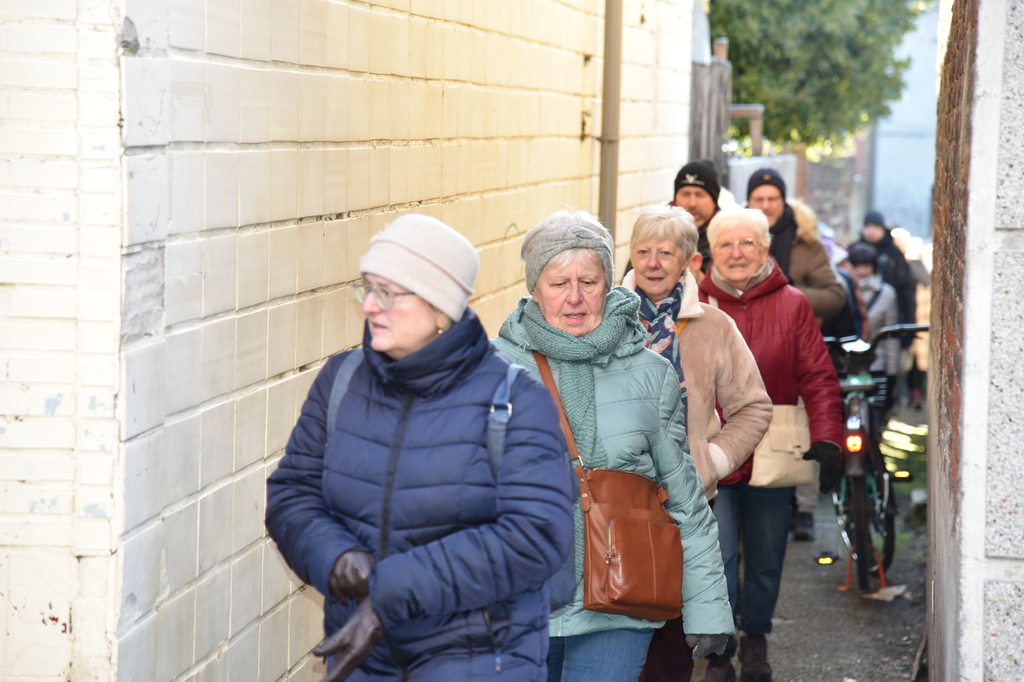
(760, 518)
(609, 656)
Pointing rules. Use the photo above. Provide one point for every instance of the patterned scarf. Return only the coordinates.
(660, 323)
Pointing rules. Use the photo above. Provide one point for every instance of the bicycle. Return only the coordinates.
(864, 503)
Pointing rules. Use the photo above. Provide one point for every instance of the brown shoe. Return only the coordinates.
(720, 669)
(754, 659)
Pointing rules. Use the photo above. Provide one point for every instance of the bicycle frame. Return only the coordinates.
(864, 500)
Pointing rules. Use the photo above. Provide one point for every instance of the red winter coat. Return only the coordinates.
(778, 325)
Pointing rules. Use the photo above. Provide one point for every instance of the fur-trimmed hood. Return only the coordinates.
(806, 221)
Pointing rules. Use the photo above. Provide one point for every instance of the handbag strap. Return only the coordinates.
(679, 327)
(574, 454)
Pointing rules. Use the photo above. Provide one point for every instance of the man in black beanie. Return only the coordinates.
(795, 245)
(696, 190)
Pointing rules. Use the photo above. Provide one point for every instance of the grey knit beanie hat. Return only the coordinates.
(562, 231)
(428, 258)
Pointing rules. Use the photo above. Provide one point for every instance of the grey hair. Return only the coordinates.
(564, 231)
(585, 256)
(666, 223)
(750, 218)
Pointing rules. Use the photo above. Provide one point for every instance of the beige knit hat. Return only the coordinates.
(426, 257)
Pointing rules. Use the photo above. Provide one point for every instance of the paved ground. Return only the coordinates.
(823, 635)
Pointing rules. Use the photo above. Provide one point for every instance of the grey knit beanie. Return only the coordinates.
(426, 257)
(562, 231)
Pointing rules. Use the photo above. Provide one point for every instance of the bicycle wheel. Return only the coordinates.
(861, 536)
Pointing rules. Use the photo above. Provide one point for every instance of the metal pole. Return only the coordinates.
(609, 183)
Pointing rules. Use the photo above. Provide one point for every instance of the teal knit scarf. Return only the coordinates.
(576, 374)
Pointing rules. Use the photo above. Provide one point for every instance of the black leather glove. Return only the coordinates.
(830, 457)
(353, 643)
(350, 575)
(705, 645)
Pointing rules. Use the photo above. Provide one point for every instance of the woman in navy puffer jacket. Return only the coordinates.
(432, 567)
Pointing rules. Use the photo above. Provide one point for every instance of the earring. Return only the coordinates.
(440, 331)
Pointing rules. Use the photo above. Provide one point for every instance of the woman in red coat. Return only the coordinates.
(777, 323)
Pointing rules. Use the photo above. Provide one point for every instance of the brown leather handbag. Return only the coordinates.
(633, 557)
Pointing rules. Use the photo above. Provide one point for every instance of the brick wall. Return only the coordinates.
(830, 192)
(953, 145)
(265, 142)
(60, 231)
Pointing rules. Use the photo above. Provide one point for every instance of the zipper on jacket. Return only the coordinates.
(495, 644)
(389, 487)
(385, 530)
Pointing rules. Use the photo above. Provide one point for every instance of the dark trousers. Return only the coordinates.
(669, 657)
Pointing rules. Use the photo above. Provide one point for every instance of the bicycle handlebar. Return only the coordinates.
(854, 345)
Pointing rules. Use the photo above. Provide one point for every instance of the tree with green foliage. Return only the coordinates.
(823, 69)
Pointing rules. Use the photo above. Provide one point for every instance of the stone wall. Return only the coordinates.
(976, 523)
(831, 192)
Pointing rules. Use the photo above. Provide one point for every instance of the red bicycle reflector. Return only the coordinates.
(854, 443)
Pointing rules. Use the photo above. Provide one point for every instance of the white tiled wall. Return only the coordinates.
(180, 226)
(61, 195)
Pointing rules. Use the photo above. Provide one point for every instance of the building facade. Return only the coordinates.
(186, 187)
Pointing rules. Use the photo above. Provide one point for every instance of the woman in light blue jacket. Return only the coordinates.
(622, 402)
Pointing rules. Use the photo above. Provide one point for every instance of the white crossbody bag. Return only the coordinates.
(779, 457)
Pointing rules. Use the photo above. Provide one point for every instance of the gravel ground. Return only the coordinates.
(823, 635)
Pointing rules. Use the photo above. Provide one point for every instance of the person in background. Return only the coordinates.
(845, 269)
(847, 322)
(713, 364)
(882, 312)
(892, 266)
(779, 327)
(623, 404)
(795, 244)
(919, 258)
(913, 249)
(697, 190)
(432, 563)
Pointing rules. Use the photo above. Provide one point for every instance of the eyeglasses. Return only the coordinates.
(385, 298)
(747, 247)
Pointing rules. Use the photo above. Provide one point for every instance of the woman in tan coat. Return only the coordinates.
(714, 365)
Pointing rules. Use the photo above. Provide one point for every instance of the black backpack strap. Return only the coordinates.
(874, 298)
(340, 386)
(497, 420)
